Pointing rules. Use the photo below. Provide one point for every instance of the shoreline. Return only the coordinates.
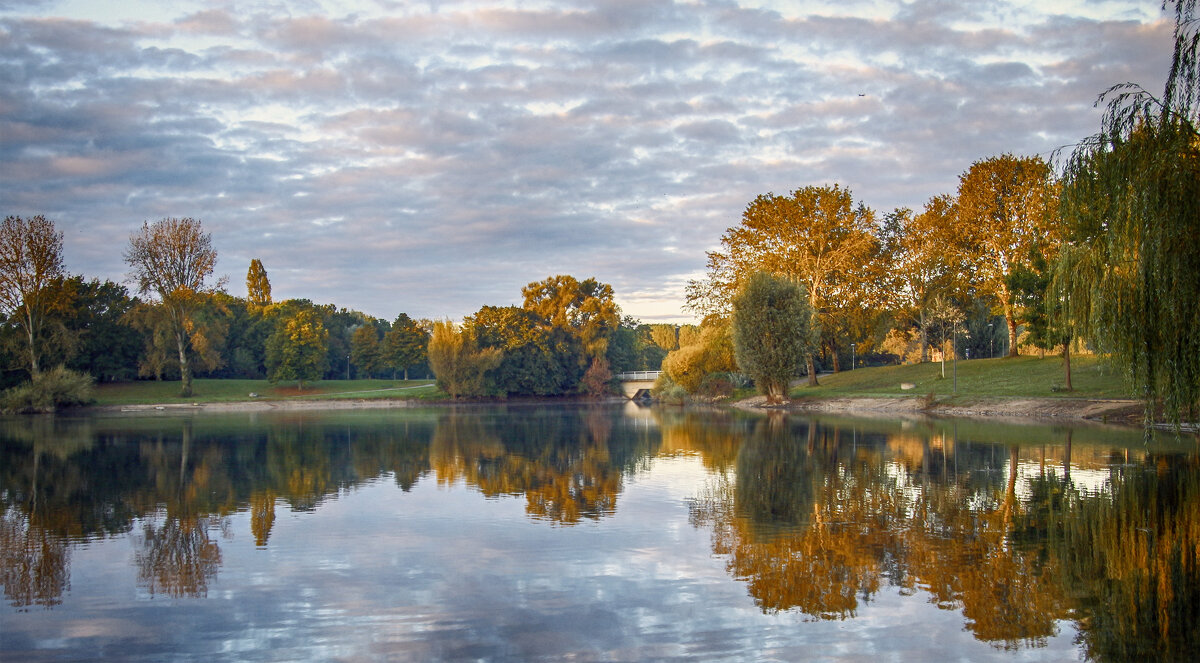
(1110, 411)
(1096, 410)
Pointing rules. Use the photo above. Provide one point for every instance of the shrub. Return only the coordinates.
(48, 391)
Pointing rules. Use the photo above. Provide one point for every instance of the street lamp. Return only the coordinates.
(852, 356)
(347, 367)
(991, 341)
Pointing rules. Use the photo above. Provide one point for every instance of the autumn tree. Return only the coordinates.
(772, 332)
(585, 308)
(173, 259)
(258, 287)
(816, 237)
(30, 259)
(458, 362)
(1008, 205)
(665, 336)
(1131, 206)
(709, 353)
(298, 348)
(919, 252)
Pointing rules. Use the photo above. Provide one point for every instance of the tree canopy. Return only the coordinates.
(173, 258)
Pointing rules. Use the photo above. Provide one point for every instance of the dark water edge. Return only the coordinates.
(543, 532)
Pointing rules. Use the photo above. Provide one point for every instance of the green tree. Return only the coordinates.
(405, 344)
(366, 352)
(772, 332)
(537, 359)
(30, 259)
(458, 362)
(258, 287)
(1131, 206)
(1008, 206)
(102, 342)
(816, 237)
(172, 259)
(298, 348)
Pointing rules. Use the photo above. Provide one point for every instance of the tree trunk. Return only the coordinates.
(1067, 363)
(812, 370)
(185, 371)
(837, 365)
(924, 339)
(1012, 333)
(33, 357)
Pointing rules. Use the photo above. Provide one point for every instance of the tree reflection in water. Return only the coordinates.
(814, 516)
(812, 527)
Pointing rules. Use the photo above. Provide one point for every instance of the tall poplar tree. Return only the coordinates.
(258, 287)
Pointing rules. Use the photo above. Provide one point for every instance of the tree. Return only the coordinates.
(585, 308)
(816, 237)
(365, 350)
(258, 287)
(919, 252)
(710, 352)
(405, 344)
(665, 336)
(459, 363)
(1008, 206)
(537, 359)
(772, 332)
(172, 259)
(1131, 207)
(102, 343)
(297, 350)
(30, 258)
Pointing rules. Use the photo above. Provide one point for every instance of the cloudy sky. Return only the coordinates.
(433, 157)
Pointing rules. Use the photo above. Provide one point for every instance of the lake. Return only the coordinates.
(593, 533)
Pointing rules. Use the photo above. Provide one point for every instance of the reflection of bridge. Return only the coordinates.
(637, 384)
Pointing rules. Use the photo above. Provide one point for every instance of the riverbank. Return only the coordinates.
(1113, 411)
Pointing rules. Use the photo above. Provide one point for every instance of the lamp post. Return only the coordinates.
(347, 367)
(991, 341)
(852, 356)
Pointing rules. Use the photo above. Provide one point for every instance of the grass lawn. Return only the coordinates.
(218, 391)
(1023, 376)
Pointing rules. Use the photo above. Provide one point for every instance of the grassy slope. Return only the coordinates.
(218, 391)
(1006, 378)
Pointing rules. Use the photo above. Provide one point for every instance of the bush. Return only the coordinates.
(48, 391)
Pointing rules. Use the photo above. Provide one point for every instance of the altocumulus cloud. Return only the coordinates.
(434, 157)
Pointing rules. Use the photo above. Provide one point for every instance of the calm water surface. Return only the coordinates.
(593, 534)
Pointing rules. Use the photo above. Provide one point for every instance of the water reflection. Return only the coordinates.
(1019, 530)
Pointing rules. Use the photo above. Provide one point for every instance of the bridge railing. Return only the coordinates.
(638, 376)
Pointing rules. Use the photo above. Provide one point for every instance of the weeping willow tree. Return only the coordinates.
(1130, 270)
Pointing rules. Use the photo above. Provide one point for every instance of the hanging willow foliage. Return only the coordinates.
(1130, 270)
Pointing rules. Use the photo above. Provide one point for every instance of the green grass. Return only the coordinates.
(224, 391)
(1091, 377)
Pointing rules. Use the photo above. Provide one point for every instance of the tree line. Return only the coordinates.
(178, 323)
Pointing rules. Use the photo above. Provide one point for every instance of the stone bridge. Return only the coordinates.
(638, 383)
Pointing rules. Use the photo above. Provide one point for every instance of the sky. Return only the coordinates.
(434, 157)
